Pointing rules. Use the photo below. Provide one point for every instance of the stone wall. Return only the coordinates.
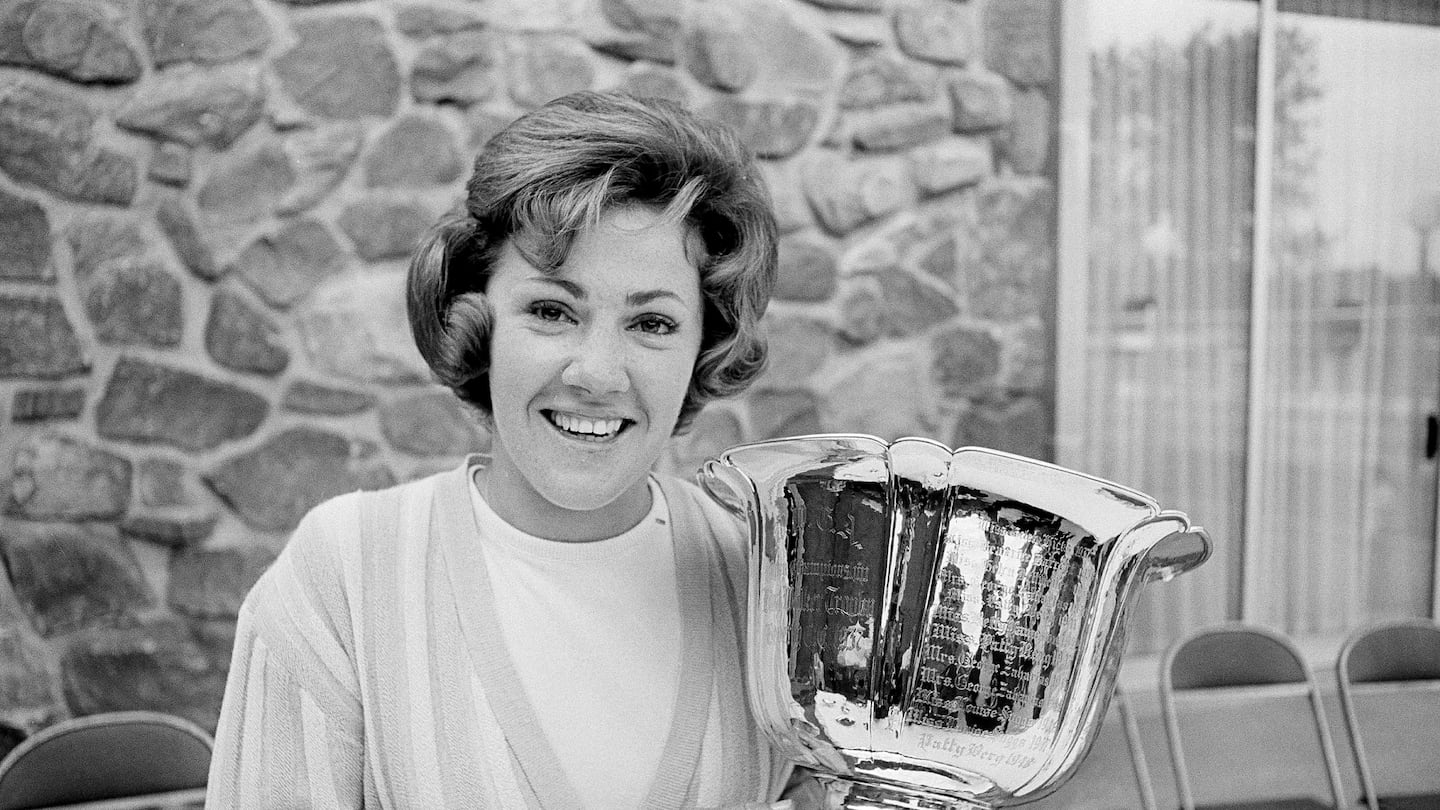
(205, 209)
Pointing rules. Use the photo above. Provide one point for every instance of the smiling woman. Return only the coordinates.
(553, 626)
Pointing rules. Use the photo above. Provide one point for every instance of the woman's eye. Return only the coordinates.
(548, 311)
(655, 325)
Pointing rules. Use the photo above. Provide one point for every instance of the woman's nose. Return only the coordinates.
(598, 365)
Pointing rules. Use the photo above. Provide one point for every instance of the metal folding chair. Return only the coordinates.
(111, 761)
(1389, 680)
(1242, 690)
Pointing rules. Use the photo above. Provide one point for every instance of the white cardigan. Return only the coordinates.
(369, 669)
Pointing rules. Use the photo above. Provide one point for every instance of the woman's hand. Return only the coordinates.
(804, 791)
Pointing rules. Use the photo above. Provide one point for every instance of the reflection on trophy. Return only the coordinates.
(933, 628)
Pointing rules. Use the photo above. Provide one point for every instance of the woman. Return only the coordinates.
(553, 626)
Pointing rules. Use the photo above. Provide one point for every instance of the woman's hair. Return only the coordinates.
(552, 174)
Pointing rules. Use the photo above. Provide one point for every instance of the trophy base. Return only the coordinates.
(844, 794)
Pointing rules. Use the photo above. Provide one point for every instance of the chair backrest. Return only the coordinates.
(1389, 674)
(106, 756)
(1237, 673)
(1099, 781)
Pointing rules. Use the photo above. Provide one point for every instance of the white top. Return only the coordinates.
(594, 631)
(371, 669)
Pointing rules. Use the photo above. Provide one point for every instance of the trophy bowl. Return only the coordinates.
(932, 628)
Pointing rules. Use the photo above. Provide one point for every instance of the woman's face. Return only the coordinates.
(588, 369)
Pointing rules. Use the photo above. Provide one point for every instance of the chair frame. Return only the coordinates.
(1312, 692)
(1347, 702)
(64, 727)
(1137, 752)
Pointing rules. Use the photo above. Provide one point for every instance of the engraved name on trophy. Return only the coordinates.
(932, 628)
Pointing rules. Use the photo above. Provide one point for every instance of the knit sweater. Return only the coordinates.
(369, 669)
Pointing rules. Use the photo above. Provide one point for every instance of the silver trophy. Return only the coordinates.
(932, 628)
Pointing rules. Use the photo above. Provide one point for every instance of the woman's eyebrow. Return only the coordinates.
(568, 286)
(638, 299)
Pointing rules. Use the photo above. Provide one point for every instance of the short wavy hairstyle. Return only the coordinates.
(554, 172)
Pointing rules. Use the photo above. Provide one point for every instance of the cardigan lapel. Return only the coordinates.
(454, 526)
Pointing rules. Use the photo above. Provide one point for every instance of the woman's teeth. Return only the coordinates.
(586, 427)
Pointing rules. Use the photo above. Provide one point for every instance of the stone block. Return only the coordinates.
(796, 58)
(356, 329)
(284, 266)
(245, 184)
(99, 242)
(807, 269)
(173, 528)
(783, 413)
(1016, 234)
(899, 126)
(1022, 426)
(542, 68)
(39, 340)
(208, 32)
(178, 224)
(1022, 41)
(884, 390)
(950, 163)
(274, 485)
(211, 584)
(172, 163)
(192, 106)
(422, 20)
(342, 67)
(134, 302)
(46, 138)
(981, 100)
(877, 79)
(798, 346)
(966, 360)
(632, 46)
(792, 209)
(912, 306)
(485, 124)
(938, 31)
(162, 482)
(152, 403)
(431, 424)
(718, 51)
(304, 396)
(658, 17)
(770, 128)
(849, 193)
(1027, 358)
(462, 68)
(863, 311)
(652, 81)
(154, 663)
(28, 684)
(319, 156)
(714, 430)
(1025, 144)
(44, 404)
(384, 229)
(242, 337)
(80, 41)
(24, 240)
(414, 152)
(67, 577)
(56, 477)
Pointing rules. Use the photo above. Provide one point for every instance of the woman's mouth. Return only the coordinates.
(587, 428)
